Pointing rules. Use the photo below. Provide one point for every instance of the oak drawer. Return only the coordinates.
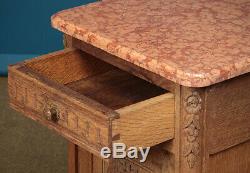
(90, 102)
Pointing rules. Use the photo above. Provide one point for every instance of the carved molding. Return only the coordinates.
(192, 128)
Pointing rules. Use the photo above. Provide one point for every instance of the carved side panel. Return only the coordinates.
(191, 131)
(227, 114)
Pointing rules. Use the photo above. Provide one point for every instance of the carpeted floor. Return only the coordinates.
(26, 146)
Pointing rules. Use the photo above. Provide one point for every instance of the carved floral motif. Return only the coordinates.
(192, 128)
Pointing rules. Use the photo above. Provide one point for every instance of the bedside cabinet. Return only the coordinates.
(170, 76)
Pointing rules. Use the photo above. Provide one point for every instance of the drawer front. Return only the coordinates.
(78, 122)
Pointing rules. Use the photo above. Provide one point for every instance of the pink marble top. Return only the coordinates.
(191, 42)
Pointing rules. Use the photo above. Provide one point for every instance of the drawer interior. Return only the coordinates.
(95, 79)
(115, 88)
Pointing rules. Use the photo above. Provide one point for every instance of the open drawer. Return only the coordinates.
(90, 102)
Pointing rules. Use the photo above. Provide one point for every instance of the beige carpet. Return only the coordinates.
(26, 146)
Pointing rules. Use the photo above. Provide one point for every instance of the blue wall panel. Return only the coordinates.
(25, 28)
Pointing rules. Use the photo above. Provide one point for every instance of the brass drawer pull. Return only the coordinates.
(51, 113)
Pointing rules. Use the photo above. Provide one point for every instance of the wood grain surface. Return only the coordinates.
(146, 123)
(232, 160)
(116, 89)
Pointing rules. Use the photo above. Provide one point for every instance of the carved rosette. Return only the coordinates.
(191, 148)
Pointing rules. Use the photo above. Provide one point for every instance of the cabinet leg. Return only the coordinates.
(85, 161)
(82, 161)
(72, 158)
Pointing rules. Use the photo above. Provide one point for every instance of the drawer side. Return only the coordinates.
(146, 123)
